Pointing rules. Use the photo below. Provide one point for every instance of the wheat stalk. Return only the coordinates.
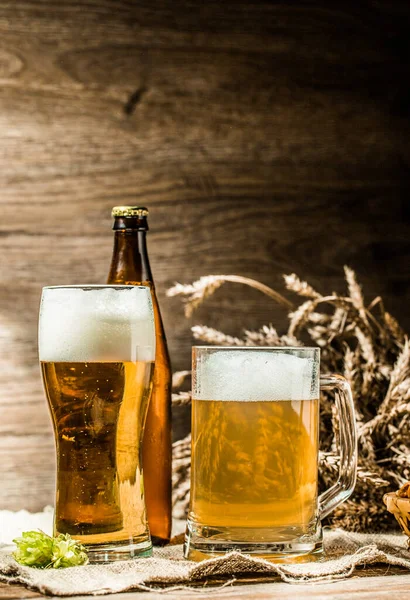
(181, 399)
(300, 287)
(213, 336)
(355, 293)
(394, 328)
(365, 343)
(178, 378)
(400, 372)
(300, 316)
(196, 292)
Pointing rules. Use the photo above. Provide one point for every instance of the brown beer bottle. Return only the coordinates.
(130, 265)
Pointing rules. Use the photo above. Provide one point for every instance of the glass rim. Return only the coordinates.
(95, 286)
(270, 348)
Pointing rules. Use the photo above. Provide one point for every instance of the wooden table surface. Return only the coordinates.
(369, 583)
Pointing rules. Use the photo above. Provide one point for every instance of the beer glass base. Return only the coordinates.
(274, 545)
(106, 553)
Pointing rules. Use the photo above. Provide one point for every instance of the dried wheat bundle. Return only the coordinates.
(361, 340)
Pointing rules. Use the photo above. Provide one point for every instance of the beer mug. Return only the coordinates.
(255, 445)
(97, 350)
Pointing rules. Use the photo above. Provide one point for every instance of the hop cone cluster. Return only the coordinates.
(37, 549)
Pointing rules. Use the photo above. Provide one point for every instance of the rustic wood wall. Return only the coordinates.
(266, 137)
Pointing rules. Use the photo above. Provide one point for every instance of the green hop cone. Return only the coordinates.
(67, 552)
(34, 549)
(37, 549)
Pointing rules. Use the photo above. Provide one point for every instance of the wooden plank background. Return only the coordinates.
(266, 137)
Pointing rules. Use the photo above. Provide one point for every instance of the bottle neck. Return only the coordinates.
(130, 263)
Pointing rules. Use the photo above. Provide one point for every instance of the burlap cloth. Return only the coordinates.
(167, 569)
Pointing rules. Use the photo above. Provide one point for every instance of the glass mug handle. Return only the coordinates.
(343, 488)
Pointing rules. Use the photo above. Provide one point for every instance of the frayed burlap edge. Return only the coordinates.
(168, 571)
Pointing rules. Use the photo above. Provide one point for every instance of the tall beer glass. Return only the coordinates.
(255, 435)
(97, 350)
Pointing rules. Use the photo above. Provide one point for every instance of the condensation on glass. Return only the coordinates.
(97, 351)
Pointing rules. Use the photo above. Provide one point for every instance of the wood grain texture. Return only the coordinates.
(365, 586)
(266, 138)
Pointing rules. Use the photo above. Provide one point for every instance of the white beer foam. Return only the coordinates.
(96, 324)
(255, 375)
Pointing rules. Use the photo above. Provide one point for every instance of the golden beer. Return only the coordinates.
(254, 471)
(255, 464)
(98, 412)
(97, 350)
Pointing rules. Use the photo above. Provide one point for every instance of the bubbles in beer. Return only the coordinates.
(256, 375)
(96, 324)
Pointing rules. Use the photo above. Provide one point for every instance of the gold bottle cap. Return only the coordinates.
(129, 211)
